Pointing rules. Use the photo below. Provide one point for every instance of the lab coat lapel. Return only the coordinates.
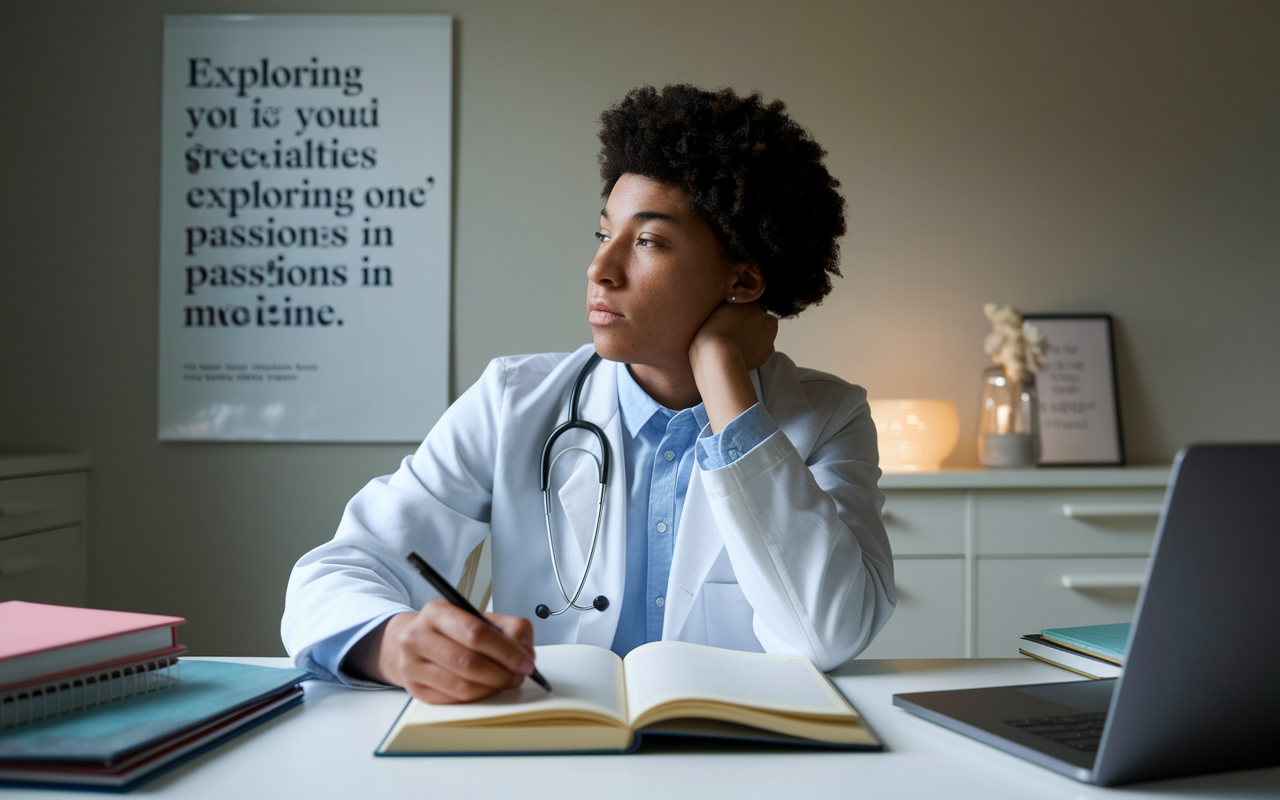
(599, 404)
(698, 540)
(778, 386)
(698, 544)
(578, 500)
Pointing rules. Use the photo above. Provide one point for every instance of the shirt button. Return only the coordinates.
(668, 455)
(661, 602)
(662, 528)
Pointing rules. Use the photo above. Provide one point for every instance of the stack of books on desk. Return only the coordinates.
(1094, 651)
(95, 699)
(57, 659)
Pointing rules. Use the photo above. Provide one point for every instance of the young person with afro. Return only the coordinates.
(740, 509)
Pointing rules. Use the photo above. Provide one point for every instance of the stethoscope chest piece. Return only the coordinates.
(602, 466)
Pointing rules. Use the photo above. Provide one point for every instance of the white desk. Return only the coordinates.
(325, 750)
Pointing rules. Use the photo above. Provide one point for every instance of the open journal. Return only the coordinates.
(602, 703)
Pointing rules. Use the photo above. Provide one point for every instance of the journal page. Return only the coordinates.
(586, 681)
(659, 673)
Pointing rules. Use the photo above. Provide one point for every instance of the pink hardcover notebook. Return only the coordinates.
(42, 642)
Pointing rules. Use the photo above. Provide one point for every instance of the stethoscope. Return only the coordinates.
(602, 466)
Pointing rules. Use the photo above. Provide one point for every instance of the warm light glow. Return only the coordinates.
(1003, 415)
(915, 435)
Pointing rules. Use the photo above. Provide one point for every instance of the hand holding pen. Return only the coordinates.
(446, 652)
(455, 598)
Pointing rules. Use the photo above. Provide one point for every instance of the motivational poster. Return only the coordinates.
(305, 224)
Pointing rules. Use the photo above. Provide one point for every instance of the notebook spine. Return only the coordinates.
(86, 690)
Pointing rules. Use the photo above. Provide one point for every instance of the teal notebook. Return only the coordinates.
(1104, 641)
(208, 689)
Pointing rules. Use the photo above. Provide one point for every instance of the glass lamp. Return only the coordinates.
(915, 435)
(1009, 428)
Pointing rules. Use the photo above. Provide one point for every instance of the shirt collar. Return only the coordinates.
(638, 407)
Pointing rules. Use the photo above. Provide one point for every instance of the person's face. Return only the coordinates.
(658, 275)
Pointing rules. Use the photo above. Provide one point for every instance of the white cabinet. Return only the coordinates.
(926, 523)
(984, 556)
(43, 525)
(1017, 596)
(928, 621)
(1012, 522)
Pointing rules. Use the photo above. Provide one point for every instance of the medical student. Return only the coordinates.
(740, 507)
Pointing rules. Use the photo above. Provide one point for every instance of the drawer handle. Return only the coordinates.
(1110, 510)
(20, 564)
(1133, 581)
(15, 508)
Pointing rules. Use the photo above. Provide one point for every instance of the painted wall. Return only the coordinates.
(1093, 156)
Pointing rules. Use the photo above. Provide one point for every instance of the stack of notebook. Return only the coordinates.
(1095, 651)
(80, 699)
(56, 659)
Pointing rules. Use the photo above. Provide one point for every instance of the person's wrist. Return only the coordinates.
(724, 382)
(390, 655)
(713, 353)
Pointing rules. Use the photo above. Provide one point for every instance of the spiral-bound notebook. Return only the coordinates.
(59, 659)
(34, 702)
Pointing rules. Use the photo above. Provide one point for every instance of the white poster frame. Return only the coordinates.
(366, 359)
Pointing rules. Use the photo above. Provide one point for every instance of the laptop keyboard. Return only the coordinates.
(1081, 731)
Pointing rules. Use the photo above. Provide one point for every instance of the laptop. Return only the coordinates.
(1200, 691)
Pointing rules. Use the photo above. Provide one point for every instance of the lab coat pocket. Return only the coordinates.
(729, 617)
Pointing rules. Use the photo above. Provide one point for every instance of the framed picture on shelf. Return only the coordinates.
(1079, 402)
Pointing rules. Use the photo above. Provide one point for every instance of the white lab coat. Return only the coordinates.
(782, 550)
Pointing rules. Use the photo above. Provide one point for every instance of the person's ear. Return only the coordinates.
(748, 283)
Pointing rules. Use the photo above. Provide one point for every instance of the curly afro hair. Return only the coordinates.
(750, 170)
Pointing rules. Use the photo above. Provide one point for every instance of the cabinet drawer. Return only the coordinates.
(1067, 521)
(46, 567)
(922, 523)
(1018, 596)
(928, 621)
(45, 501)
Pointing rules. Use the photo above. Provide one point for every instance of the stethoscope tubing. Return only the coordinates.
(547, 465)
(551, 542)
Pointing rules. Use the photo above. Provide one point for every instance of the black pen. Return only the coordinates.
(458, 601)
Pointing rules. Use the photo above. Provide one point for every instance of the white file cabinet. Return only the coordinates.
(43, 528)
(984, 556)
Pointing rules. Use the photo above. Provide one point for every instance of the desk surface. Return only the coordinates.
(325, 750)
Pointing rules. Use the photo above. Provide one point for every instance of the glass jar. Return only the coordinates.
(1009, 428)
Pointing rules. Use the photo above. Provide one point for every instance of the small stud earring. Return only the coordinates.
(732, 299)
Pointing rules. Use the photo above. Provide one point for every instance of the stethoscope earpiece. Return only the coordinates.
(548, 464)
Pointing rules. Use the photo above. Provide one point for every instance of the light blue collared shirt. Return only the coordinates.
(659, 450)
